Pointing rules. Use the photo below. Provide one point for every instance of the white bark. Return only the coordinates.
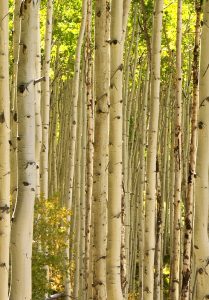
(4, 151)
(175, 269)
(13, 135)
(45, 102)
(100, 179)
(201, 243)
(189, 211)
(149, 243)
(22, 228)
(114, 290)
(73, 126)
(38, 103)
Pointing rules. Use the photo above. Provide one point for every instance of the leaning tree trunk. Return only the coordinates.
(201, 243)
(22, 228)
(100, 182)
(4, 151)
(149, 241)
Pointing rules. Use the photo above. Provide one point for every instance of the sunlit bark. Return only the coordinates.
(22, 227)
(149, 242)
(4, 151)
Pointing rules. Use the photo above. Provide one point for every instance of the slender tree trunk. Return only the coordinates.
(149, 244)
(114, 290)
(77, 211)
(188, 230)
(175, 269)
(90, 147)
(13, 119)
(100, 186)
(45, 102)
(38, 103)
(73, 127)
(201, 244)
(4, 151)
(22, 228)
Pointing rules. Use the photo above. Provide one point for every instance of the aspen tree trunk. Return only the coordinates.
(13, 135)
(159, 229)
(100, 186)
(188, 231)
(175, 268)
(45, 102)
(77, 211)
(142, 181)
(126, 8)
(4, 151)
(114, 290)
(149, 243)
(90, 147)
(73, 117)
(73, 128)
(126, 178)
(38, 141)
(53, 139)
(171, 185)
(83, 274)
(22, 228)
(201, 244)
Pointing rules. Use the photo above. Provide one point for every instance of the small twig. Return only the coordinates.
(5, 16)
(205, 71)
(39, 80)
(120, 68)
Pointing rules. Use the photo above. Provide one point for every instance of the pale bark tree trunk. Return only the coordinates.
(201, 244)
(175, 268)
(73, 117)
(90, 147)
(4, 151)
(149, 243)
(188, 231)
(126, 124)
(38, 102)
(100, 186)
(83, 274)
(73, 127)
(22, 228)
(77, 194)
(45, 102)
(114, 290)
(13, 119)
(142, 181)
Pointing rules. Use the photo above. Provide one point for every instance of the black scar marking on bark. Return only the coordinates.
(2, 117)
(5, 208)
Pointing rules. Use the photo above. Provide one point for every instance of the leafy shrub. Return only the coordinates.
(51, 223)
